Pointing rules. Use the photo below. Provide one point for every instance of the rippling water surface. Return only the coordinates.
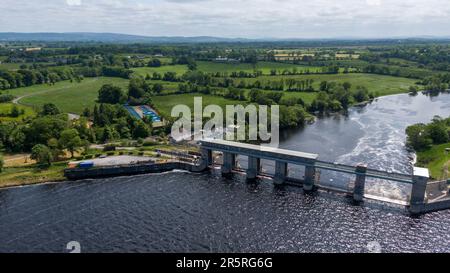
(179, 211)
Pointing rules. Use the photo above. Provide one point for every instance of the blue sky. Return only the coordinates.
(231, 18)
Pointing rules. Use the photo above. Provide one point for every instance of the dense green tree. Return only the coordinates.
(70, 140)
(418, 138)
(111, 94)
(141, 130)
(15, 112)
(49, 109)
(157, 88)
(42, 155)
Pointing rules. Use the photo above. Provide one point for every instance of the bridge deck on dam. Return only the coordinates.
(295, 157)
(260, 151)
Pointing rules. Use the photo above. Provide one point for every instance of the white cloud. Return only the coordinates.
(373, 2)
(231, 18)
(73, 2)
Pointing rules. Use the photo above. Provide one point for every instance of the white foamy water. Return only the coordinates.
(374, 135)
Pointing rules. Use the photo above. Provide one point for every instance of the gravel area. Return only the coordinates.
(118, 160)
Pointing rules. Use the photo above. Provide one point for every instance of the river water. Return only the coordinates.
(184, 212)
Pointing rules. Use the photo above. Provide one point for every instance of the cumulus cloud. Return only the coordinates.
(232, 18)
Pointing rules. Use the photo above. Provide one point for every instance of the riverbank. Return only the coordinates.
(436, 159)
(31, 174)
(24, 171)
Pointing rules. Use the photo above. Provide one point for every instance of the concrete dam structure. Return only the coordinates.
(230, 150)
(418, 180)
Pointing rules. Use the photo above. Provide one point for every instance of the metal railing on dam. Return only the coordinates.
(385, 175)
(418, 179)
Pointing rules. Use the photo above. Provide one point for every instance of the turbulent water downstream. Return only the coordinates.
(180, 211)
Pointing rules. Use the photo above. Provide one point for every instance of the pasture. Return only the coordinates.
(5, 109)
(265, 67)
(164, 104)
(143, 71)
(69, 97)
(379, 84)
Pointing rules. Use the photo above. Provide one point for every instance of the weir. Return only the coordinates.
(230, 150)
(421, 198)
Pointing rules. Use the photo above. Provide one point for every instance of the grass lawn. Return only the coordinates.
(70, 97)
(379, 84)
(435, 159)
(5, 108)
(164, 104)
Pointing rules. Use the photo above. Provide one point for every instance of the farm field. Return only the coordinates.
(379, 84)
(212, 67)
(265, 67)
(164, 104)
(307, 97)
(143, 71)
(5, 108)
(68, 97)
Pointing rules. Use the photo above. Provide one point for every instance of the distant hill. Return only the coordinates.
(108, 37)
(126, 38)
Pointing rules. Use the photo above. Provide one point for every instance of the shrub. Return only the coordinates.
(110, 153)
(150, 143)
(109, 148)
(6, 98)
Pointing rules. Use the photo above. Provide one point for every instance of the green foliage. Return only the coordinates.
(50, 109)
(111, 94)
(418, 137)
(42, 155)
(141, 130)
(70, 140)
(6, 98)
(421, 136)
(154, 63)
(2, 163)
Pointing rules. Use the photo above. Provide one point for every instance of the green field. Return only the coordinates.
(5, 108)
(143, 71)
(70, 97)
(307, 97)
(27, 175)
(380, 84)
(436, 160)
(265, 67)
(206, 66)
(164, 104)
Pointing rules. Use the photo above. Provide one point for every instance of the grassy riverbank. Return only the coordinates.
(23, 172)
(436, 160)
(28, 175)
